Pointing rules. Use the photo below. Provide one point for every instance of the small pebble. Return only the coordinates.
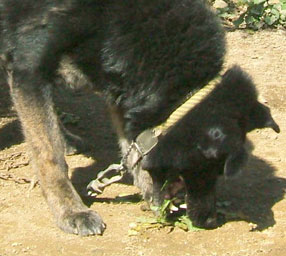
(252, 226)
(132, 225)
(16, 244)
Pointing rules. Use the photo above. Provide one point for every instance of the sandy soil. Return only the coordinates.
(256, 198)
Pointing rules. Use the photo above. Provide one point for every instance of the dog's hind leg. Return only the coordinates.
(32, 98)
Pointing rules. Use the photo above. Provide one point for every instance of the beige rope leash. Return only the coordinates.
(180, 112)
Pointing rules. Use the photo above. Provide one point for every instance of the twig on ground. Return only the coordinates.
(13, 161)
(11, 177)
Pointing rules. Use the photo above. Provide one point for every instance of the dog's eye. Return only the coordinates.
(216, 134)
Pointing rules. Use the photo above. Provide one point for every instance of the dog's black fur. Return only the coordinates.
(144, 56)
(209, 141)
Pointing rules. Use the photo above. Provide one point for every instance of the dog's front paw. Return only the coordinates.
(83, 223)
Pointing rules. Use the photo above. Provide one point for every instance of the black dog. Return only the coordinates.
(207, 142)
(144, 57)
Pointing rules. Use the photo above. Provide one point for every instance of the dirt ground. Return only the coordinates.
(256, 199)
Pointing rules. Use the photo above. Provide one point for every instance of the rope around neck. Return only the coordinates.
(180, 112)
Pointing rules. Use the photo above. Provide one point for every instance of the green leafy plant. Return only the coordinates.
(165, 219)
(252, 14)
(262, 13)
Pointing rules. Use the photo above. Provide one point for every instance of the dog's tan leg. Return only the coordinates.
(34, 105)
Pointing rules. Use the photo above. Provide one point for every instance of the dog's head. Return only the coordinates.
(192, 143)
(180, 153)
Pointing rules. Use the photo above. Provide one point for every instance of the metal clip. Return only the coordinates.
(96, 186)
(144, 143)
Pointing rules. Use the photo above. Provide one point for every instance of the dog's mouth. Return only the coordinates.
(175, 189)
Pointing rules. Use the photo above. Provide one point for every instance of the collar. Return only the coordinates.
(188, 105)
(148, 139)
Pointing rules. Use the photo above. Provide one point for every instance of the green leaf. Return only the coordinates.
(270, 20)
(185, 220)
(166, 183)
(154, 208)
(250, 19)
(259, 1)
(164, 207)
(239, 20)
(275, 13)
(224, 15)
(257, 10)
(242, 2)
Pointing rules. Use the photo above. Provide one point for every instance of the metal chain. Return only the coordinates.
(123, 161)
(95, 187)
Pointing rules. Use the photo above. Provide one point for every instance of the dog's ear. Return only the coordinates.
(234, 162)
(260, 117)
